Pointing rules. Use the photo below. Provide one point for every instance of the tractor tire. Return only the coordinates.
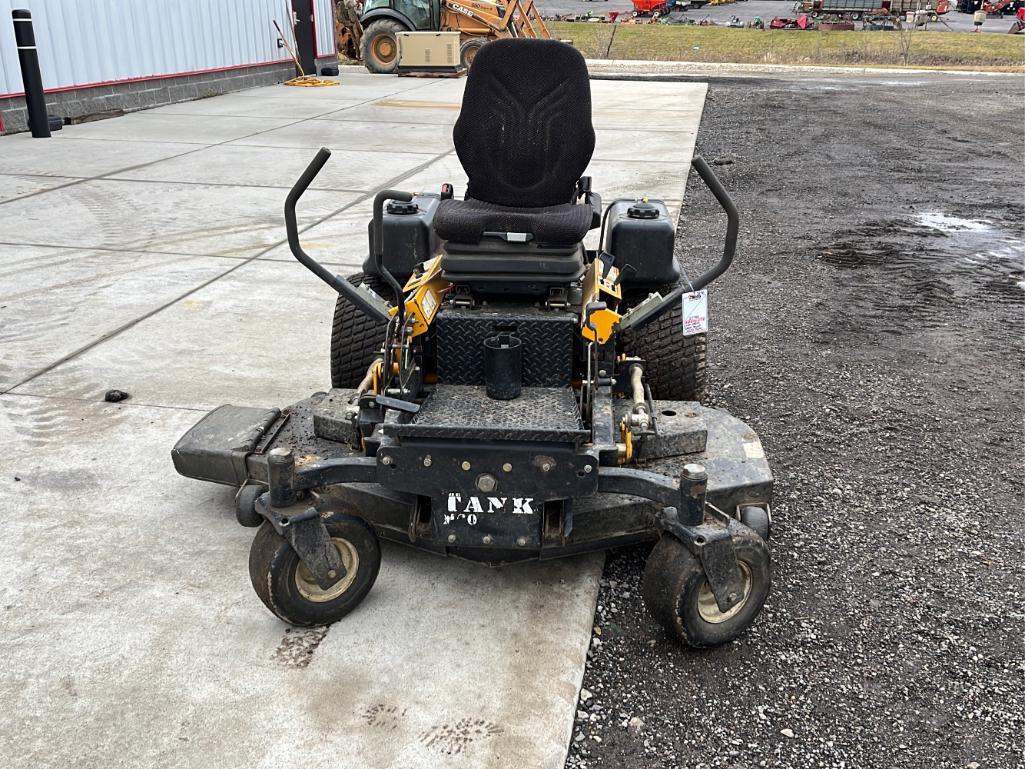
(468, 51)
(355, 338)
(380, 46)
(675, 369)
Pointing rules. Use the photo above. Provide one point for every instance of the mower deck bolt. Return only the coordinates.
(545, 467)
(386, 460)
(507, 467)
(452, 538)
(588, 469)
(428, 461)
(487, 482)
(466, 465)
(521, 541)
(487, 539)
(331, 573)
(694, 470)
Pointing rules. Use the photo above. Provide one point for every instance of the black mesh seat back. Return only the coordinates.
(524, 133)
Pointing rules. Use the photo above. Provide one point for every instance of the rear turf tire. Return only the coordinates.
(676, 363)
(355, 338)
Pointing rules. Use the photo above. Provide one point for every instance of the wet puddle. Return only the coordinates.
(920, 270)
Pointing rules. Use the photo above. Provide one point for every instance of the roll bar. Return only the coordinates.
(370, 306)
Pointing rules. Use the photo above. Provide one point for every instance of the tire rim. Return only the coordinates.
(470, 55)
(384, 49)
(708, 609)
(307, 585)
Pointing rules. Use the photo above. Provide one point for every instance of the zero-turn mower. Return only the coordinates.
(502, 394)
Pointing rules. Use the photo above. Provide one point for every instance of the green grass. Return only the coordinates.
(754, 46)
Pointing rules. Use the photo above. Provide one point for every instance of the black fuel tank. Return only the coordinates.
(641, 234)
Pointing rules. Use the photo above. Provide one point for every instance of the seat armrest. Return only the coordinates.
(593, 199)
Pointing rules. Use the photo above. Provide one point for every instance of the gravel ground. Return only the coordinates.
(872, 333)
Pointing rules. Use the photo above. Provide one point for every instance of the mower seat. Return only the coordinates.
(524, 138)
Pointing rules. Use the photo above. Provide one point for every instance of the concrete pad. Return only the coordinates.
(54, 301)
(645, 96)
(401, 109)
(167, 218)
(132, 637)
(238, 105)
(632, 179)
(386, 137)
(446, 169)
(62, 156)
(351, 87)
(648, 120)
(281, 166)
(159, 127)
(14, 186)
(628, 145)
(222, 349)
(340, 241)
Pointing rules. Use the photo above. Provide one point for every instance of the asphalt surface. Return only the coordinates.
(871, 331)
(749, 9)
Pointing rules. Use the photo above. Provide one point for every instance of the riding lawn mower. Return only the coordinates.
(502, 393)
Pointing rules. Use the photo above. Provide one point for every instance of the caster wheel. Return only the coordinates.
(758, 520)
(678, 595)
(245, 505)
(286, 586)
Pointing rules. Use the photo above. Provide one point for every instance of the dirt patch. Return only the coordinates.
(871, 331)
(298, 645)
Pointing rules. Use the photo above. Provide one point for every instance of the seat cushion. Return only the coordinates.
(466, 221)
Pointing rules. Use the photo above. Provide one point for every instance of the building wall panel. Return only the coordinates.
(85, 42)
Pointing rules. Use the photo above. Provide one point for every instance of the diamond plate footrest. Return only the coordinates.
(465, 412)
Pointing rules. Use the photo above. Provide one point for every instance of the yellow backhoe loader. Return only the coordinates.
(367, 30)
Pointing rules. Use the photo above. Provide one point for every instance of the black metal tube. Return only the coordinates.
(281, 477)
(28, 58)
(732, 221)
(366, 303)
(693, 485)
(503, 367)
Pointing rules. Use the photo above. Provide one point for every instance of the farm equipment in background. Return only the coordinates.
(659, 8)
(1001, 7)
(856, 10)
(801, 22)
(366, 29)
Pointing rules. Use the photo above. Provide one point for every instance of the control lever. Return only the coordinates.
(369, 305)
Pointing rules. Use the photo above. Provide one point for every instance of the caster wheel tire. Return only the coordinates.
(678, 595)
(286, 586)
(245, 505)
(758, 520)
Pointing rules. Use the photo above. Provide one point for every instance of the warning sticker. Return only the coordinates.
(695, 313)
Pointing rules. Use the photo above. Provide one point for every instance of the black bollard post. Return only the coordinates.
(28, 57)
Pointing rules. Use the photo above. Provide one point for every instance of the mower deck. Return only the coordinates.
(230, 446)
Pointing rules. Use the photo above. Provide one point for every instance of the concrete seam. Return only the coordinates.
(124, 327)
